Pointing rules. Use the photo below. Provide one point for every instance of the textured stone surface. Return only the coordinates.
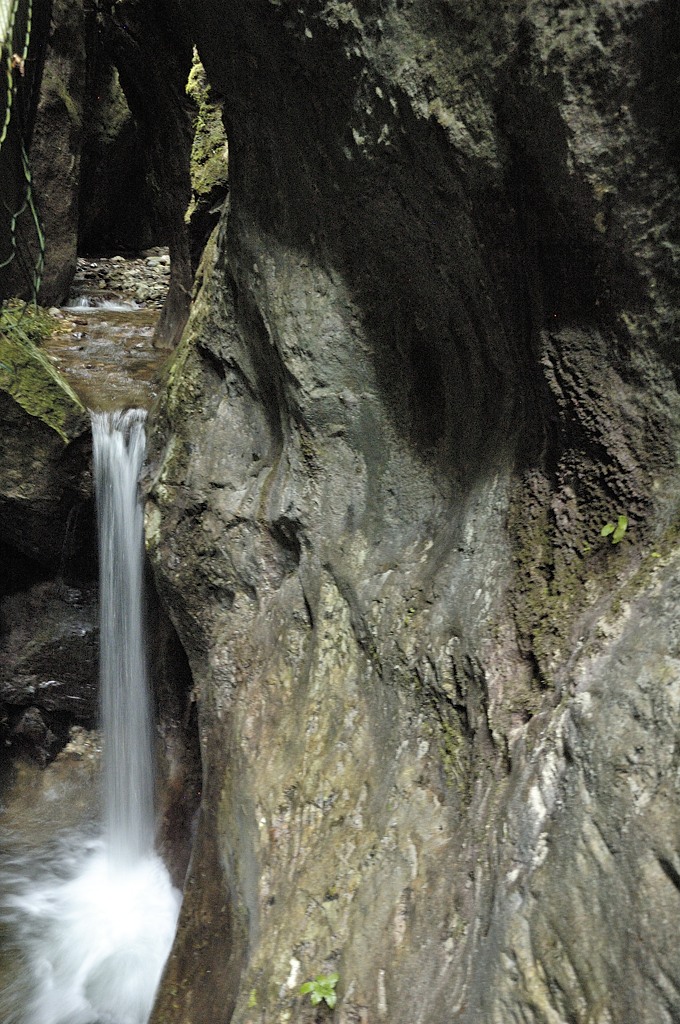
(48, 665)
(57, 145)
(44, 451)
(432, 354)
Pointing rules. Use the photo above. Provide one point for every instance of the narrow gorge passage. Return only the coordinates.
(429, 373)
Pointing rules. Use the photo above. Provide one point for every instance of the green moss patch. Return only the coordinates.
(209, 163)
(28, 376)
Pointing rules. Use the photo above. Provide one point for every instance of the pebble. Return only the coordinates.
(143, 278)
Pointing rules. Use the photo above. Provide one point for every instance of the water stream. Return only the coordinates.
(118, 446)
(106, 353)
(89, 921)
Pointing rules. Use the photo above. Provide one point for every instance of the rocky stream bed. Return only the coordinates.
(142, 278)
(104, 343)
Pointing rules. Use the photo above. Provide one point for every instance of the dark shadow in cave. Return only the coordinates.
(136, 182)
(178, 752)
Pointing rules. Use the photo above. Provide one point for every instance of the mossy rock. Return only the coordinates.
(209, 159)
(27, 376)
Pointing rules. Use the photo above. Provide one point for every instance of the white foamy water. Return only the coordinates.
(94, 302)
(88, 925)
(92, 945)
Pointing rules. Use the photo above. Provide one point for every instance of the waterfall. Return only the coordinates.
(91, 929)
(119, 445)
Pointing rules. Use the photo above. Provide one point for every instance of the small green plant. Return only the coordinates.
(616, 531)
(322, 988)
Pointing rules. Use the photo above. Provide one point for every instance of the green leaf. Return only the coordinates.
(621, 527)
(607, 529)
(321, 988)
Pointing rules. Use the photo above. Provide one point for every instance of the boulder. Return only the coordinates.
(44, 447)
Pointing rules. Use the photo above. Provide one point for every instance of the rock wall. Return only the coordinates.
(432, 355)
(48, 636)
(57, 145)
(209, 162)
(117, 208)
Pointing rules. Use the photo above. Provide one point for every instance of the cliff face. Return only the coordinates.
(432, 355)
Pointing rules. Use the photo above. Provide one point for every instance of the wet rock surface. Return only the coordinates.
(48, 665)
(432, 355)
(39, 803)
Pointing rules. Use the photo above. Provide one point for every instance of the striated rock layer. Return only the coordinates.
(432, 355)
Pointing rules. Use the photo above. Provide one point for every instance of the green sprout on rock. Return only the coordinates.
(616, 531)
(322, 988)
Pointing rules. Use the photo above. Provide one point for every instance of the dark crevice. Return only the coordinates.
(179, 758)
(671, 873)
(285, 532)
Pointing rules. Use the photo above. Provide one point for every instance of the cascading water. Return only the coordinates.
(92, 924)
(119, 445)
